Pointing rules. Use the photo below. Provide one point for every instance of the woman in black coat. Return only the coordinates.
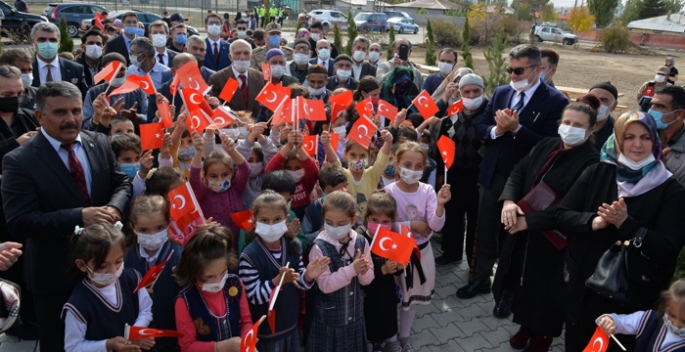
(529, 259)
(629, 190)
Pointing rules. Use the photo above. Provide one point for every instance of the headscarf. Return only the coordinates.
(632, 183)
(397, 75)
(456, 72)
(671, 62)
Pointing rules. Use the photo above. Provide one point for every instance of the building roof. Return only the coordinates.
(427, 4)
(666, 23)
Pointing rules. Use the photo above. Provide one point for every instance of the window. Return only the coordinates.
(545, 30)
(5, 8)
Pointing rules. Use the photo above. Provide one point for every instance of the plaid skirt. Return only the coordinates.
(288, 343)
(326, 338)
(420, 294)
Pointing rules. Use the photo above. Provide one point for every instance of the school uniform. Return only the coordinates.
(649, 328)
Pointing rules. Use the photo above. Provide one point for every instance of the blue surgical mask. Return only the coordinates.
(131, 30)
(389, 171)
(140, 32)
(275, 41)
(130, 169)
(186, 154)
(181, 39)
(680, 332)
(659, 119)
(47, 50)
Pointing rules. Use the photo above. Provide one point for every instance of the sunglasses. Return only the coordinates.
(518, 70)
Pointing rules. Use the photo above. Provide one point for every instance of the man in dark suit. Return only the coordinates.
(361, 68)
(323, 48)
(318, 32)
(343, 74)
(516, 118)
(251, 81)
(122, 43)
(92, 43)
(197, 47)
(159, 34)
(61, 178)
(216, 55)
(48, 66)
(179, 61)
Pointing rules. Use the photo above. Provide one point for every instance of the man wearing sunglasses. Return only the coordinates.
(517, 116)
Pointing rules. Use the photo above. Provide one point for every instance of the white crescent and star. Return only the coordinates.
(183, 201)
(196, 118)
(271, 100)
(144, 85)
(144, 332)
(601, 343)
(217, 119)
(192, 99)
(190, 84)
(366, 130)
(309, 145)
(419, 101)
(248, 339)
(383, 241)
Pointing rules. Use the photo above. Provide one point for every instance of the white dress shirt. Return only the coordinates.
(237, 77)
(357, 70)
(78, 151)
(165, 58)
(155, 74)
(325, 63)
(54, 69)
(527, 94)
(211, 45)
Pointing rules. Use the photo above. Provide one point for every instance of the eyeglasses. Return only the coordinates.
(6, 70)
(518, 70)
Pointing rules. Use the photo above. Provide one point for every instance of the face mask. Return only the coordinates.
(659, 119)
(680, 332)
(300, 59)
(296, 175)
(424, 146)
(316, 37)
(153, 242)
(217, 286)
(277, 71)
(256, 169)
(274, 41)
(373, 227)
(324, 54)
(214, 30)
(131, 30)
(134, 61)
(271, 233)
(48, 51)
(130, 169)
(344, 75)
(337, 233)
(660, 78)
(242, 34)
(94, 51)
(9, 104)
(389, 171)
(181, 39)
(603, 113)
(410, 177)
(103, 279)
(186, 153)
(358, 165)
(27, 79)
(572, 136)
(243, 132)
(140, 32)
(118, 81)
(341, 131)
(359, 56)
(316, 91)
(159, 40)
(445, 68)
(635, 165)
(241, 65)
(472, 104)
(520, 86)
(219, 186)
(374, 56)
(233, 133)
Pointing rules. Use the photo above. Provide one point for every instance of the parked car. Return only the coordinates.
(550, 33)
(15, 20)
(370, 21)
(329, 18)
(400, 14)
(143, 16)
(73, 12)
(402, 25)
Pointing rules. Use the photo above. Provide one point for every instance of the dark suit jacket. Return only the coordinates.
(118, 45)
(43, 204)
(172, 54)
(315, 61)
(254, 86)
(72, 72)
(367, 70)
(333, 84)
(538, 120)
(224, 61)
(86, 71)
(206, 73)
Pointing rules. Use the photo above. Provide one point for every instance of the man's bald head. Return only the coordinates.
(323, 44)
(182, 59)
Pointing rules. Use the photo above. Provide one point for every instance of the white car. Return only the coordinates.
(550, 33)
(329, 18)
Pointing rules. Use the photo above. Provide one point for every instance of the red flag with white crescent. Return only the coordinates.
(108, 72)
(455, 108)
(145, 83)
(599, 342)
(392, 246)
(365, 108)
(139, 332)
(272, 95)
(191, 77)
(153, 273)
(447, 149)
(387, 110)
(129, 86)
(223, 116)
(310, 144)
(184, 207)
(362, 132)
(229, 89)
(248, 342)
(425, 104)
(152, 135)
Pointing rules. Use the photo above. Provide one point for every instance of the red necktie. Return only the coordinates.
(161, 58)
(243, 88)
(77, 172)
(216, 54)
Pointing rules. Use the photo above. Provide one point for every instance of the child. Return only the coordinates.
(103, 302)
(338, 316)
(331, 178)
(662, 330)
(263, 263)
(257, 155)
(388, 176)
(127, 149)
(422, 212)
(220, 194)
(120, 125)
(380, 304)
(211, 297)
(150, 221)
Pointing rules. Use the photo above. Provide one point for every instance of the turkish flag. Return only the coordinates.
(447, 149)
(336, 110)
(98, 23)
(312, 110)
(145, 83)
(152, 135)
(335, 139)
(139, 332)
(455, 108)
(100, 16)
(362, 131)
(199, 120)
(424, 102)
(284, 112)
(223, 116)
(392, 246)
(387, 110)
(165, 114)
(404, 230)
(195, 101)
(191, 77)
(344, 99)
(365, 108)
(173, 87)
(599, 342)
(310, 144)
(153, 273)
(248, 342)
(266, 71)
(271, 316)
(184, 208)
(129, 86)
(272, 95)
(244, 220)
(107, 73)
(229, 90)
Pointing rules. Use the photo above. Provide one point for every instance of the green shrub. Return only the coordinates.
(446, 34)
(422, 12)
(615, 39)
(391, 39)
(465, 47)
(66, 44)
(351, 33)
(337, 39)
(497, 63)
(430, 46)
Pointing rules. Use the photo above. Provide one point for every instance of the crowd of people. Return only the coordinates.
(546, 187)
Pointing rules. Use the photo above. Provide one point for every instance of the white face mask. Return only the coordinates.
(271, 233)
(337, 233)
(256, 169)
(572, 136)
(659, 78)
(152, 242)
(341, 131)
(134, 61)
(445, 68)
(316, 37)
(316, 91)
(424, 146)
(472, 104)
(603, 113)
(374, 56)
(118, 81)
(232, 133)
(324, 54)
(215, 287)
(277, 71)
(243, 132)
(214, 30)
(159, 40)
(410, 177)
(301, 59)
(635, 165)
(522, 85)
(93, 51)
(359, 56)
(296, 175)
(242, 34)
(241, 65)
(104, 279)
(343, 75)
(27, 79)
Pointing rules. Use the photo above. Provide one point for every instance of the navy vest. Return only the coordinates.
(652, 332)
(287, 305)
(209, 327)
(104, 320)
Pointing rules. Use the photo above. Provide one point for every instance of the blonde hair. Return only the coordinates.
(218, 157)
(674, 293)
(410, 147)
(149, 205)
(340, 201)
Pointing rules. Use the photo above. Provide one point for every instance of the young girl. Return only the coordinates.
(662, 330)
(389, 173)
(103, 302)
(380, 304)
(422, 212)
(211, 310)
(127, 149)
(150, 221)
(263, 263)
(257, 155)
(221, 194)
(338, 316)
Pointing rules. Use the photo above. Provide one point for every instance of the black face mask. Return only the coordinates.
(9, 104)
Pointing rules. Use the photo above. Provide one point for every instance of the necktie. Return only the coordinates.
(519, 105)
(161, 58)
(48, 77)
(243, 88)
(77, 172)
(216, 54)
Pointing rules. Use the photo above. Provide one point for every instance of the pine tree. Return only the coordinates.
(497, 64)
(603, 11)
(297, 27)
(66, 44)
(351, 33)
(652, 8)
(465, 47)
(430, 45)
(391, 38)
(337, 39)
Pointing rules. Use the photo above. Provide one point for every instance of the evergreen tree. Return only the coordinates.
(391, 38)
(465, 47)
(603, 10)
(297, 27)
(497, 63)
(337, 39)
(66, 44)
(351, 33)
(430, 45)
(652, 8)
